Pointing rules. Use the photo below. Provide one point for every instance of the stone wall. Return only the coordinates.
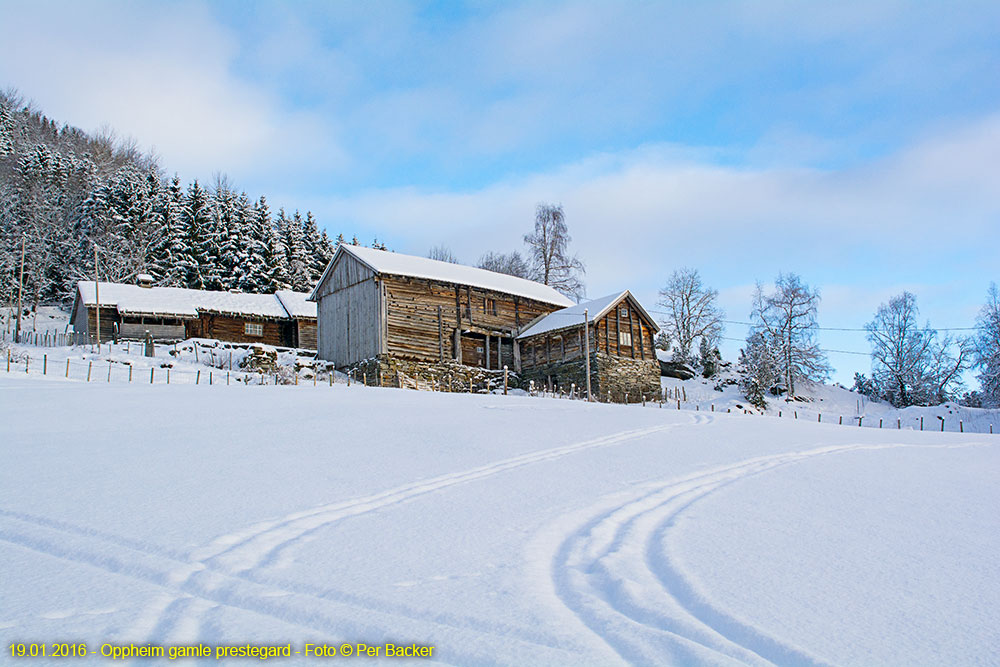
(628, 380)
(387, 370)
(625, 378)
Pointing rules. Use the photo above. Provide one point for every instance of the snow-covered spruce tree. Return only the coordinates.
(987, 348)
(195, 218)
(760, 369)
(169, 262)
(787, 319)
(709, 357)
(693, 313)
(275, 260)
(549, 256)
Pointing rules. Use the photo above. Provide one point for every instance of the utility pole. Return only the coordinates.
(586, 346)
(20, 288)
(97, 298)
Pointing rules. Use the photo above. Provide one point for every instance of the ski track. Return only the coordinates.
(613, 573)
(228, 571)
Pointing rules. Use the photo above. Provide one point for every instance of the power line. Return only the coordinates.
(863, 354)
(750, 324)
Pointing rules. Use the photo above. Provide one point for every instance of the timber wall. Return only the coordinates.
(423, 315)
(349, 314)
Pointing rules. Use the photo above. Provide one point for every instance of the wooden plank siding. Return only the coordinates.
(232, 328)
(349, 313)
(567, 344)
(306, 333)
(414, 332)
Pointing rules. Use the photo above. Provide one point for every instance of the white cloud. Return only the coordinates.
(163, 74)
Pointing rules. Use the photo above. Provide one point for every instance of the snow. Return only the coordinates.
(397, 264)
(498, 529)
(182, 302)
(296, 304)
(572, 316)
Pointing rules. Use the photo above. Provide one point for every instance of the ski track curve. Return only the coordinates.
(612, 573)
(226, 572)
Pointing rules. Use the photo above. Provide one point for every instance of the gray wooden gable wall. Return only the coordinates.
(349, 313)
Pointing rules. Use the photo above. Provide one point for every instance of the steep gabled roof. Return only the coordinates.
(296, 303)
(573, 316)
(397, 264)
(183, 303)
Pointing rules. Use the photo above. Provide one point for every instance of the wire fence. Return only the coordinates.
(126, 371)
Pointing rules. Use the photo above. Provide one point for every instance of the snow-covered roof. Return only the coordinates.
(573, 316)
(398, 264)
(181, 302)
(296, 303)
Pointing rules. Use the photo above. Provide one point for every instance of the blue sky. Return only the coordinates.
(853, 143)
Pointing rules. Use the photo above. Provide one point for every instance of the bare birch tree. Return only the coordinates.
(510, 263)
(910, 364)
(548, 252)
(788, 319)
(442, 253)
(987, 347)
(693, 313)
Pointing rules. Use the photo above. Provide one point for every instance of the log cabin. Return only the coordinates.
(174, 313)
(619, 336)
(396, 308)
(303, 313)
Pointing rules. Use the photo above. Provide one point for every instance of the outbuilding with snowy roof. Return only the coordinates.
(175, 313)
(403, 310)
(616, 332)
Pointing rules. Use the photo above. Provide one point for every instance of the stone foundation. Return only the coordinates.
(390, 371)
(627, 380)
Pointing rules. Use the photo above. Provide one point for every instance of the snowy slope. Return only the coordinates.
(501, 530)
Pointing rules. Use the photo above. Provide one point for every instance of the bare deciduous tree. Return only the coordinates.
(693, 313)
(548, 252)
(442, 253)
(987, 347)
(510, 263)
(787, 318)
(910, 365)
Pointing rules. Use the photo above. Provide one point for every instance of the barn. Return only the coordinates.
(175, 313)
(401, 314)
(618, 334)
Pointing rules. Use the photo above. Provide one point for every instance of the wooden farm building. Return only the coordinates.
(619, 336)
(374, 303)
(395, 315)
(174, 313)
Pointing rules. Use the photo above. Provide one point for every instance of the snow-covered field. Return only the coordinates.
(499, 530)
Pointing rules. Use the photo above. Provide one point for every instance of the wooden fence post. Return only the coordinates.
(197, 378)
(45, 364)
(67, 369)
(109, 371)
(151, 373)
(90, 367)
(505, 380)
(130, 372)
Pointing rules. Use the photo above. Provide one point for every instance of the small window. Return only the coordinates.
(625, 338)
(623, 312)
(253, 328)
(490, 306)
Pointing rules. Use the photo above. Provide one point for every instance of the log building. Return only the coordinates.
(618, 334)
(400, 308)
(174, 313)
